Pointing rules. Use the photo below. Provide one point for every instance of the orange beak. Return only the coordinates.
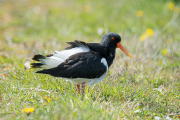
(122, 48)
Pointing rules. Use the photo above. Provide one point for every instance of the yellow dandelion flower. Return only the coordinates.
(143, 37)
(47, 99)
(171, 6)
(139, 13)
(28, 110)
(176, 10)
(150, 32)
(164, 52)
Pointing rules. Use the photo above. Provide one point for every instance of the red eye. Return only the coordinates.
(113, 38)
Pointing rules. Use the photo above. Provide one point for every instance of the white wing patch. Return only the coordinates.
(103, 60)
(64, 54)
(60, 56)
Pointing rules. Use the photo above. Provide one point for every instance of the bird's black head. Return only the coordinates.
(112, 41)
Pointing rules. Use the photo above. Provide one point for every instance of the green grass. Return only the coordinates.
(148, 83)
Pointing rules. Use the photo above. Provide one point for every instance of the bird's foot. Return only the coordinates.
(78, 88)
(83, 87)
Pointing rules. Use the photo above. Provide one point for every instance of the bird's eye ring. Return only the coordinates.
(113, 38)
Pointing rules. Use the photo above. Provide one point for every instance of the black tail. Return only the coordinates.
(36, 65)
(37, 58)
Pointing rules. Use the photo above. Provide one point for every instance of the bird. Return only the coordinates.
(81, 63)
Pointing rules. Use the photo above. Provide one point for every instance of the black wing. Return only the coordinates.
(77, 43)
(81, 65)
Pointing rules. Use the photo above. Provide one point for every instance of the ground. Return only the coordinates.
(144, 87)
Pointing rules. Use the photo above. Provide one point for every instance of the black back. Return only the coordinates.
(81, 65)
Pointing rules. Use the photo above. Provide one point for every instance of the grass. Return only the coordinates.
(144, 87)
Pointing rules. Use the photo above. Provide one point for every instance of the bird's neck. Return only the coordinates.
(110, 57)
(107, 53)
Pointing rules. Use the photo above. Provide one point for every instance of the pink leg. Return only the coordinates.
(78, 88)
(83, 87)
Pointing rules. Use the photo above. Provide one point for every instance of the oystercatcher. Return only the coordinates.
(81, 63)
